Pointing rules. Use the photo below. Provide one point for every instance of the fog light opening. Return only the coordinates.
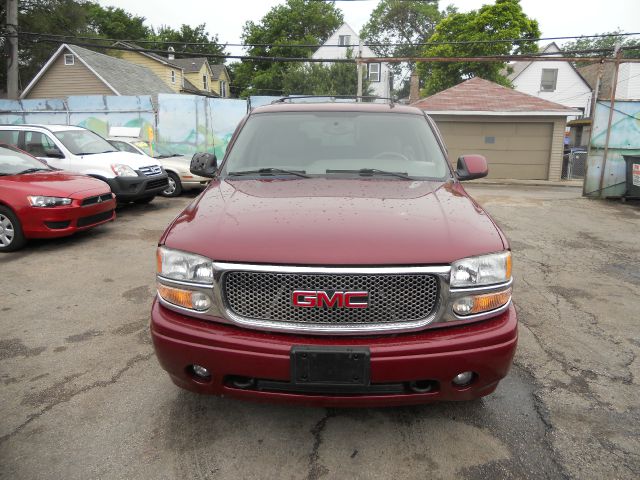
(243, 383)
(199, 372)
(463, 379)
(422, 386)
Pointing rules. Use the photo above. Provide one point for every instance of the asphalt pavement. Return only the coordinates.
(83, 396)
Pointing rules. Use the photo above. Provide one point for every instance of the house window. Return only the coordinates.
(205, 82)
(223, 89)
(69, 59)
(173, 76)
(549, 79)
(344, 40)
(373, 72)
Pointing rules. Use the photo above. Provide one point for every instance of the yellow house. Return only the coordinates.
(212, 79)
(168, 71)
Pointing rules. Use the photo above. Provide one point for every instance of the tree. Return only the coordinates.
(320, 79)
(185, 35)
(113, 22)
(399, 22)
(504, 20)
(608, 42)
(297, 22)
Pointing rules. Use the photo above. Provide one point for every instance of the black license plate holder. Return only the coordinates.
(330, 366)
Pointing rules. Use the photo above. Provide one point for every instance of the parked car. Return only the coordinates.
(37, 201)
(176, 165)
(131, 177)
(335, 259)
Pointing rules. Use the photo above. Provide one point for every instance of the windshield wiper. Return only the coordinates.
(32, 170)
(370, 172)
(270, 171)
(96, 153)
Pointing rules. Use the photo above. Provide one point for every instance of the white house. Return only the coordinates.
(337, 46)
(557, 82)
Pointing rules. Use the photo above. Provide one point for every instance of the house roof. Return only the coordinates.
(154, 56)
(122, 77)
(190, 65)
(216, 71)
(482, 97)
(191, 88)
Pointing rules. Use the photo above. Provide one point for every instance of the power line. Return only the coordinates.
(293, 45)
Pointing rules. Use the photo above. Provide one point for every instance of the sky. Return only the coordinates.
(227, 17)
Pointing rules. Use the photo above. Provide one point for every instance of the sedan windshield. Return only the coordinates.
(84, 142)
(13, 162)
(386, 145)
(155, 150)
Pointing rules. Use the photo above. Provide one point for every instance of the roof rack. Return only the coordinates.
(334, 98)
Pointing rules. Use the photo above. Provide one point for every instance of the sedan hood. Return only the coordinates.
(53, 183)
(334, 222)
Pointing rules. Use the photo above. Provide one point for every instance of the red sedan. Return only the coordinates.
(37, 201)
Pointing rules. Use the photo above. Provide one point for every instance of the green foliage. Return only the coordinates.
(110, 22)
(501, 21)
(319, 79)
(397, 21)
(603, 42)
(187, 34)
(302, 22)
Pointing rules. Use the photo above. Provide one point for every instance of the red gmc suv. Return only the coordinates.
(335, 259)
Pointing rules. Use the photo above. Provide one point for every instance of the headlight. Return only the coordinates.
(177, 265)
(40, 201)
(123, 170)
(482, 270)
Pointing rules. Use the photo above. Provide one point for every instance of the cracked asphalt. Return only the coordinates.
(83, 397)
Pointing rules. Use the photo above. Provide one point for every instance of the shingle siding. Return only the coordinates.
(557, 149)
(62, 80)
(163, 72)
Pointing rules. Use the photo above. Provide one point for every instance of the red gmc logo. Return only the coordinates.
(320, 298)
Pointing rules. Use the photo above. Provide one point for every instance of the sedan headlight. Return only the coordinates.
(41, 201)
(482, 270)
(178, 265)
(123, 170)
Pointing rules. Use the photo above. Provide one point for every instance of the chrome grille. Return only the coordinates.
(151, 170)
(393, 298)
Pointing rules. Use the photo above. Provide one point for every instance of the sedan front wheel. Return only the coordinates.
(174, 188)
(11, 236)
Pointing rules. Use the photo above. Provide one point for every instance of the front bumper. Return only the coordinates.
(486, 348)
(128, 189)
(63, 221)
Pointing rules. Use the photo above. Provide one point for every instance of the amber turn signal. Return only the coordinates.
(190, 299)
(474, 304)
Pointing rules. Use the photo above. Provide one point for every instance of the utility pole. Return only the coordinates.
(12, 43)
(359, 67)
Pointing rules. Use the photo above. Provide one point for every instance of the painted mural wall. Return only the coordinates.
(183, 123)
(624, 140)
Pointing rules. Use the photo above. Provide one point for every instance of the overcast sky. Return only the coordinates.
(226, 17)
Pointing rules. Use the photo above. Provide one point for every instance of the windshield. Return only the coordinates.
(13, 162)
(84, 142)
(338, 143)
(155, 151)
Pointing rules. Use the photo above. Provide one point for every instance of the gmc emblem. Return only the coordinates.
(320, 298)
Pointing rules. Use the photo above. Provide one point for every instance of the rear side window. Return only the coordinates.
(38, 144)
(9, 137)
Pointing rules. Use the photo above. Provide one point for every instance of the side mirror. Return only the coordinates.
(204, 164)
(53, 153)
(471, 166)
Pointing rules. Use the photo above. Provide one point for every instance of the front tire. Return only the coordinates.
(174, 188)
(11, 235)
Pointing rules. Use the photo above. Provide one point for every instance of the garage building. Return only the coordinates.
(521, 136)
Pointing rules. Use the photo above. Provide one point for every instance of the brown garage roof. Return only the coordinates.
(482, 96)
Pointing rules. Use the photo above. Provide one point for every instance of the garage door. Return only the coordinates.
(513, 150)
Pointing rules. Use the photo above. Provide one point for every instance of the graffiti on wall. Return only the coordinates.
(624, 139)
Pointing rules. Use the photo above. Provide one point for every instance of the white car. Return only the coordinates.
(176, 165)
(132, 178)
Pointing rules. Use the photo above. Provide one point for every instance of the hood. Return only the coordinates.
(54, 183)
(334, 222)
(134, 160)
